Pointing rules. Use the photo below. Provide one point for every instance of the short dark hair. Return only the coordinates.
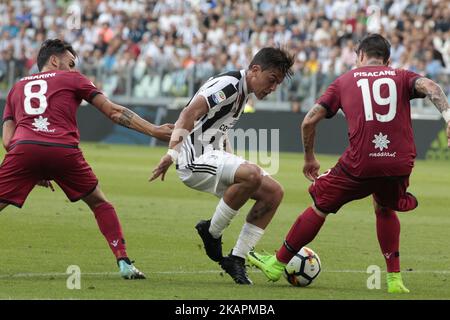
(274, 58)
(52, 47)
(375, 46)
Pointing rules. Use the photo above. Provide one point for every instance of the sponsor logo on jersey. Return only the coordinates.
(381, 141)
(382, 154)
(219, 97)
(41, 124)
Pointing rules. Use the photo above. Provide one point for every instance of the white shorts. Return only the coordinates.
(212, 172)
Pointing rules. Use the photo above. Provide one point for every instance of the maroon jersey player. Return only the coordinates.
(375, 100)
(41, 137)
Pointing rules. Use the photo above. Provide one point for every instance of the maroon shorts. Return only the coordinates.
(336, 187)
(26, 164)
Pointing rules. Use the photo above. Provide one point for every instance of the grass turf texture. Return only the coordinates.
(39, 241)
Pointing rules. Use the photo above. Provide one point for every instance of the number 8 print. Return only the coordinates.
(35, 95)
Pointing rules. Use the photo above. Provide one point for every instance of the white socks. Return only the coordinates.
(248, 238)
(221, 219)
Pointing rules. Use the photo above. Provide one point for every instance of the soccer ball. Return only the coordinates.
(303, 268)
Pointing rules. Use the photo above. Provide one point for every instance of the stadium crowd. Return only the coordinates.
(168, 48)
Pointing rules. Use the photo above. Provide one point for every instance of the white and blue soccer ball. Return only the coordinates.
(303, 268)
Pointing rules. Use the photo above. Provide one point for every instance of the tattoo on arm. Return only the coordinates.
(308, 141)
(438, 98)
(314, 115)
(125, 118)
(434, 92)
(313, 112)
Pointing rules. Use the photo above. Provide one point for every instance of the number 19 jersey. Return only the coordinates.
(44, 107)
(376, 103)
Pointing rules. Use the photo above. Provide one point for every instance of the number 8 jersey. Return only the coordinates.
(375, 102)
(44, 107)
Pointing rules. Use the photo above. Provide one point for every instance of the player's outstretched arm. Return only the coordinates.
(196, 109)
(9, 127)
(433, 91)
(127, 118)
(311, 166)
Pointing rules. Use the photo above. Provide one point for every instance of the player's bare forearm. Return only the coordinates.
(129, 119)
(183, 126)
(434, 92)
(9, 127)
(309, 124)
(185, 123)
(308, 135)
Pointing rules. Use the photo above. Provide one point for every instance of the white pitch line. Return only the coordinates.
(115, 274)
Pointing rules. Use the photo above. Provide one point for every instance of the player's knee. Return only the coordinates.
(379, 208)
(104, 206)
(95, 201)
(253, 178)
(319, 212)
(276, 192)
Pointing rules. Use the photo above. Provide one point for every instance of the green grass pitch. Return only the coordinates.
(39, 241)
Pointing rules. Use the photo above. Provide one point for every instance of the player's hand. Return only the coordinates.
(164, 131)
(162, 168)
(311, 169)
(46, 184)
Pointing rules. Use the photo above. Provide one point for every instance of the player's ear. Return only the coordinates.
(54, 61)
(255, 68)
(388, 62)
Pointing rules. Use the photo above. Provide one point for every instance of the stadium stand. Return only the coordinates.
(160, 49)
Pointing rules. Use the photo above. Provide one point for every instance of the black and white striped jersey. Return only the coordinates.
(226, 95)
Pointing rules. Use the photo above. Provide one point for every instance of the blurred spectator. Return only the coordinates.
(170, 47)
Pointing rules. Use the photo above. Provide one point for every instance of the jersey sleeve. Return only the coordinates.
(331, 99)
(410, 79)
(85, 89)
(8, 112)
(218, 92)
